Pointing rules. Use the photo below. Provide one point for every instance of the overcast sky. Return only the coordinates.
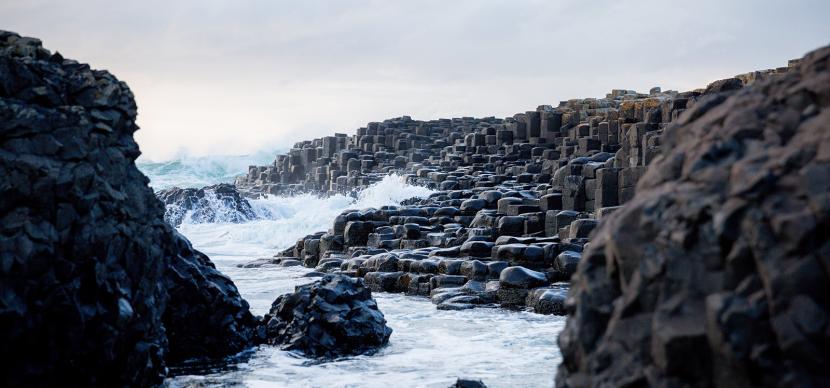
(232, 77)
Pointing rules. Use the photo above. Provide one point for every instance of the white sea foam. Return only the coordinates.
(428, 348)
(282, 220)
(197, 171)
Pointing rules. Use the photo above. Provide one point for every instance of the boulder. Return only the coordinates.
(333, 317)
(476, 248)
(357, 233)
(520, 277)
(511, 226)
(548, 300)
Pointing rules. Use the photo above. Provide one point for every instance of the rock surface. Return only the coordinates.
(216, 203)
(717, 273)
(97, 290)
(335, 316)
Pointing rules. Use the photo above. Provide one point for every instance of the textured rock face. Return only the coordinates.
(333, 317)
(717, 273)
(90, 274)
(216, 203)
(206, 318)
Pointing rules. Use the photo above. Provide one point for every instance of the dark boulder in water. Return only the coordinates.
(95, 288)
(468, 383)
(216, 203)
(335, 316)
(716, 274)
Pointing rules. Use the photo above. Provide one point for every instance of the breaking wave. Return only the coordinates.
(280, 221)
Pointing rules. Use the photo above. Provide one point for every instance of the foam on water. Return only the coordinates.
(428, 348)
(198, 171)
(282, 220)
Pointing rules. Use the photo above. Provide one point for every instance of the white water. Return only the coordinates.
(282, 220)
(198, 171)
(428, 348)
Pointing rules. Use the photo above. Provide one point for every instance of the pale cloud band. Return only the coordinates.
(237, 76)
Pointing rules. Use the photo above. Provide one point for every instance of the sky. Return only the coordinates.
(234, 77)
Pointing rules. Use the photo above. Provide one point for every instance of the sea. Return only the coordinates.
(428, 347)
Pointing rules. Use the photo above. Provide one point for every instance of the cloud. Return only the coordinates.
(236, 76)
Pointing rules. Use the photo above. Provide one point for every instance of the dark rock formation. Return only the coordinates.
(205, 318)
(335, 316)
(717, 273)
(97, 290)
(216, 203)
(467, 383)
(523, 191)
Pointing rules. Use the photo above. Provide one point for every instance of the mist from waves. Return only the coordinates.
(187, 171)
(281, 220)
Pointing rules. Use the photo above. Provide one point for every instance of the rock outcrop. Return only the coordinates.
(215, 203)
(335, 316)
(717, 273)
(95, 288)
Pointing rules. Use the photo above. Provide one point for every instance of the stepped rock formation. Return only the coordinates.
(515, 199)
(95, 288)
(717, 273)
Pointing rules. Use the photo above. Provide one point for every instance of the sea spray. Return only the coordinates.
(282, 220)
(186, 171)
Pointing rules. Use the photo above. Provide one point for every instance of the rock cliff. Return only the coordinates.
(95, 288)
(717, 273)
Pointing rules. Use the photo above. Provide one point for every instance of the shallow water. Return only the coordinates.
(428, 348)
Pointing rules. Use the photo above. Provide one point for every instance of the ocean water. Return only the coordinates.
(187, 171)
(428, 348)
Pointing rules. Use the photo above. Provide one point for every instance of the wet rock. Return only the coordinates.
(329, 265)
(263, 262)
(514, 283)
(441, 281)
(333, 317)
(548, 300)
(474, 270)
(476, 248)
(566, 263)
(582, 228)
(383, 262)
(511, 226)
(466, 383)
(356, 233)
(494, 268)
(384, 281)
(520, 277)
(472, 206)
(216, 203)
(450, 267)
(460, 302)
(530, 256)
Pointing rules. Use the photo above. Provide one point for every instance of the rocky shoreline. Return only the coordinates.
(516, 199)
(684, 234)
